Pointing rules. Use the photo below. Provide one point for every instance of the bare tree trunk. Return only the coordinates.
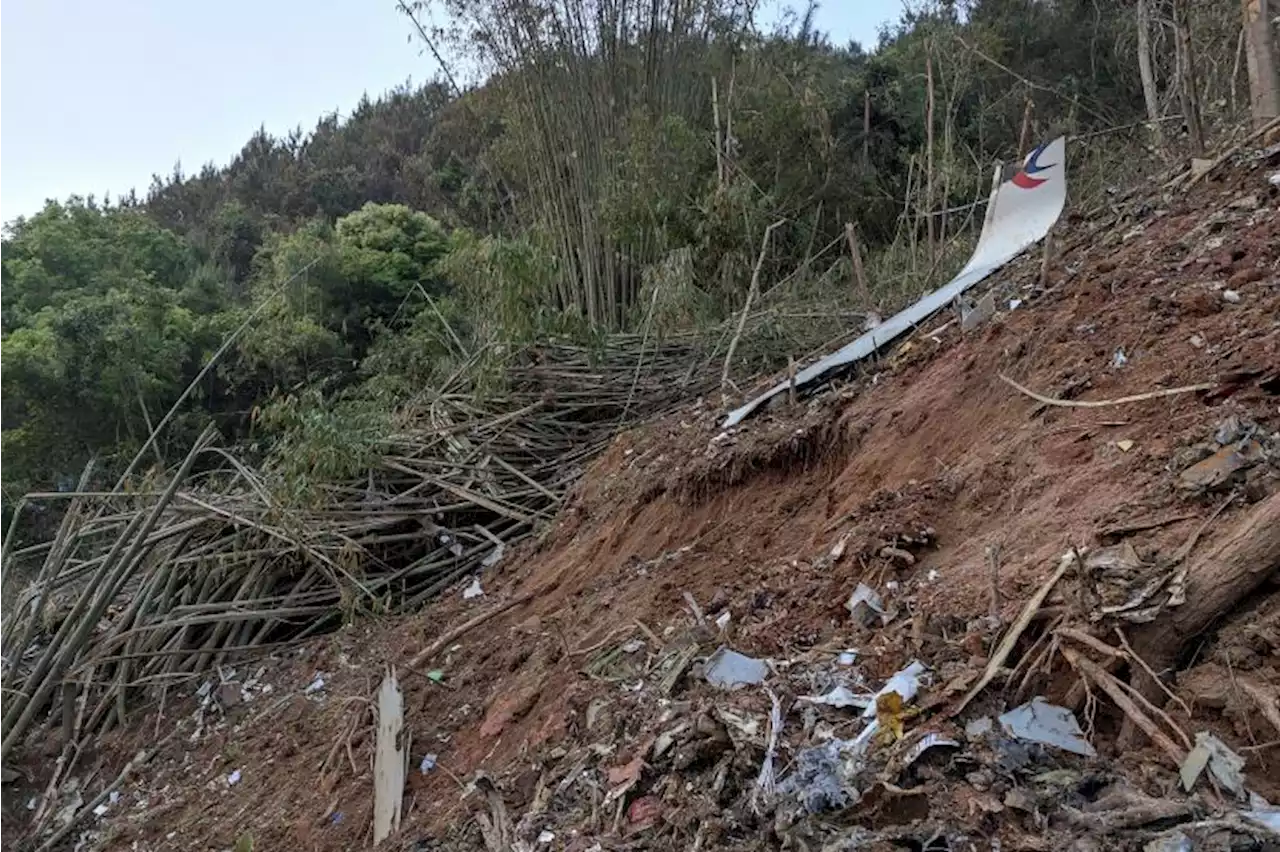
(928, 178)
(1149, 93)
(1187, 77)
(863, 292)
(866, 129)
(1024, 136)
(1260, 51)
(715, 115)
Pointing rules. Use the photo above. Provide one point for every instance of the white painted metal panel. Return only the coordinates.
(1021, 212)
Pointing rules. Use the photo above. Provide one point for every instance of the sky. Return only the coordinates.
(97, 97)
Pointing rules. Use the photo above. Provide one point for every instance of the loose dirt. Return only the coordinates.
(926, 477)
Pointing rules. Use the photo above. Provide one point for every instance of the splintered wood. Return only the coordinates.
(390, 760)
(1010, 640)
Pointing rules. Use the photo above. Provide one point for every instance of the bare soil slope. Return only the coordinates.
(930, 479)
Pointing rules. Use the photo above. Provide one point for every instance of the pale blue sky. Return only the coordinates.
(96, 97)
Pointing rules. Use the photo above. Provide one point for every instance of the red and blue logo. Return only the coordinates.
(1025, 178)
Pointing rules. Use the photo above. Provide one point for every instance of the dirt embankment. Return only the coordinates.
(931, 480)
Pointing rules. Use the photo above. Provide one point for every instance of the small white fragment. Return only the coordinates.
(1014, 304)
(546, 836)
(1231, 296)
(473, 591)
(841, 696)
(315, 686)
(722, 620)
(905, 682)
(933, 575)
(847, 658)
(233, 778)
(730, 670)
(927, 742)
(978, 727)
(1038, 721)
(494, 557)
(1197, 341)
(1119, 359)
(428, 763)
(865, 606)
(100, 810)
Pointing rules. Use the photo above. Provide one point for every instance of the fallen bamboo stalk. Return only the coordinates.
(1104, 403)
(467, 626)
(1108, 684)
(1005, 648)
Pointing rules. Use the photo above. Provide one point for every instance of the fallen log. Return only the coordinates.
(1216, 584)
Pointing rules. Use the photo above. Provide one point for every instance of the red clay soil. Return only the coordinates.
(972, 486)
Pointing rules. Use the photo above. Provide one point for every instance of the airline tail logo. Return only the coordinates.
(1025, 178)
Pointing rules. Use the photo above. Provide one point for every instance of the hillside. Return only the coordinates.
(395, 451)
(576, 714)
(336, 271)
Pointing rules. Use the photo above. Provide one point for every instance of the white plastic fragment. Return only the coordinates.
(234, 778)
(546, 837)
(473, 591)
(1014, 304)
(723, 619)
(840, 696)
(927, 742)
(100, 811)
(865, 605)
(1223, 763)
(978, 727)
(428, 763)
(1038, 721)
(847, 658)
(1119, 359)
(728, 669)
(316, 684)
(1263, 813)
(1231, 296)
(905, 682)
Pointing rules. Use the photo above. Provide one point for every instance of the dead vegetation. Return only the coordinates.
(601, 724)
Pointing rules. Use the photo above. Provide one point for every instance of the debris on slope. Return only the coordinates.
(1009, 678)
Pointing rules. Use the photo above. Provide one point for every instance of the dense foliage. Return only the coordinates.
(616, 169)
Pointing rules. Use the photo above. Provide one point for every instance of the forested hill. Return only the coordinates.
(618, 168)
